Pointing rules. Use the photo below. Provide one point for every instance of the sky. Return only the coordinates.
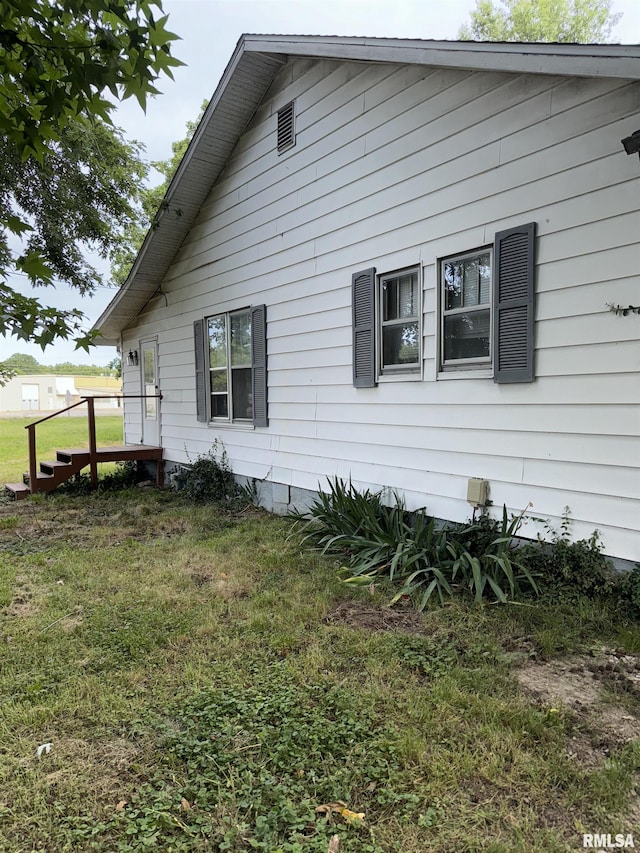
(209, 31)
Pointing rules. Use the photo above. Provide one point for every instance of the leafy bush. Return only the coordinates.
(209, 479)
(497, 563)
(493, 565)
(629, 589)
(123, 476)
(375, 539)
(476, 536)
(342, 511)
(576, 567)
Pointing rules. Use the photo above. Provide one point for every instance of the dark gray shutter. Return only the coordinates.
(201, 371)
(364, 328)
(513, 300)
(259, 365)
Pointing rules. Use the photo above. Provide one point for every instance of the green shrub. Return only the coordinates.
(629, 589)
(571, 567)
(209, 479)
(476, 535)
(123, 476)
(497, 564)
(342, 511)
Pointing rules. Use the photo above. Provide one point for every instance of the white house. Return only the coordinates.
(391, 260)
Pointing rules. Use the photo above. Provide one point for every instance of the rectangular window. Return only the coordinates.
(465, 300)
(399, 317)
(486, 305)
(229, 337)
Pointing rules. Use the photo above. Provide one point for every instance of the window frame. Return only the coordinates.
(484, 364)
(397, 371)
(229, 368)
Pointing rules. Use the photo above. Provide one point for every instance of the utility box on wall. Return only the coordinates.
(477, 492)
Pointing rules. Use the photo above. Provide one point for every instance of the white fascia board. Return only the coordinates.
(574, 60)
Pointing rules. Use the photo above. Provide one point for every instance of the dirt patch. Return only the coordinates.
(565, 682)
(580, 684)
(358, 615)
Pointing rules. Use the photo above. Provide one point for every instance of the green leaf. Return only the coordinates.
(16, 224)
(36, 267)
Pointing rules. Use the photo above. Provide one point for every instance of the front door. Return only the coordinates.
(150, 403)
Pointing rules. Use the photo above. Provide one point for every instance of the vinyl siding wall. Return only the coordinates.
(395, 167)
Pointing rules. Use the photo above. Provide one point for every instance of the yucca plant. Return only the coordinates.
(432, 568)
(337, 515)
(497, 566)
(378, 541)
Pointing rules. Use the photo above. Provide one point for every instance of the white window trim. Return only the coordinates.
(399, 373)
(463, 368)
(228, 422)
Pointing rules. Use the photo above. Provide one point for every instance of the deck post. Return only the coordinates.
(33, 481)
(93, 466)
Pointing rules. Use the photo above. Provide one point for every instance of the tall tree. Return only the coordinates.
(82, 194)
(20, 362)
(68, 179)
(151, 200)
(573, 21)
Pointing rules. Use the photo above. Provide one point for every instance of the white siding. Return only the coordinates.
(395, 167)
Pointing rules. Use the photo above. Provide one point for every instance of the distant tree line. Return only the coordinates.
(21, 363)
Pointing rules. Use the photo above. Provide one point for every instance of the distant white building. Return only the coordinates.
(47, 393)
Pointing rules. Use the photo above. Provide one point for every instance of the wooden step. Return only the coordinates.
(81, 455)
(56, 468)
(44, 482)
(19, 490)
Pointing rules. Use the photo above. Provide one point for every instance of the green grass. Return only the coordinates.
(206, 685)
(56, 434)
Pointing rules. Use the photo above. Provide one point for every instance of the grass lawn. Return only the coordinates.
(57, 434)
(205, 685)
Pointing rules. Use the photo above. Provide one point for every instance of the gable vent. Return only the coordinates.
(286, 134)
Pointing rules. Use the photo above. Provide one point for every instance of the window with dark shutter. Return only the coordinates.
(364, 332)
(513, 300)
(259, 365)
(201, 373)
(286, 129)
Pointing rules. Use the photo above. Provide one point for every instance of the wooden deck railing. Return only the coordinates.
(91, 423)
